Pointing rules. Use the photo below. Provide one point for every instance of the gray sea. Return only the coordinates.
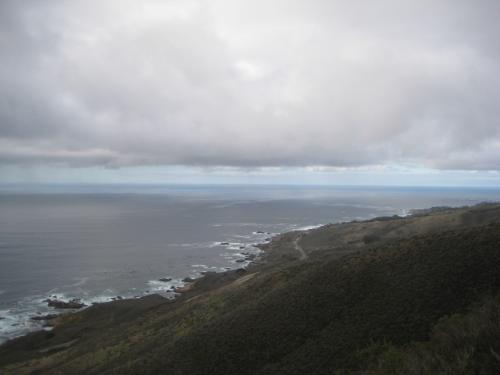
(100, 242)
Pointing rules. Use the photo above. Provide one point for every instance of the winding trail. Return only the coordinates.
(303, 255)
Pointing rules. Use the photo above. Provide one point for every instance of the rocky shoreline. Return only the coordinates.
(276, 249)
(256, 309)
(189, 286)
(268, 255)
(192, 287)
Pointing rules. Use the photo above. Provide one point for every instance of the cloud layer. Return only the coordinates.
(251, 83)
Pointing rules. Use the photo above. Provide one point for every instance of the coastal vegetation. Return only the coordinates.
(412, 295)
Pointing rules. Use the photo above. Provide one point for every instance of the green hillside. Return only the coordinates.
(409, 295)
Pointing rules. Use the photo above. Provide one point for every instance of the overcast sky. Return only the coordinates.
(329, 87)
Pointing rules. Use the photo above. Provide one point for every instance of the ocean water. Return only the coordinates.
(99, 242)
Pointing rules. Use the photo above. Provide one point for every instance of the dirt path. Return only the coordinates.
(303, 255)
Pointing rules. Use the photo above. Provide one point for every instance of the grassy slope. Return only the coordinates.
(463, 343)
(293, 317)
(316, 323)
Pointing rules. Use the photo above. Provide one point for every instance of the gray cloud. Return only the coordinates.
(250, 83)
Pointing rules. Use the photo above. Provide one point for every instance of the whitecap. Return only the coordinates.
(310, 227)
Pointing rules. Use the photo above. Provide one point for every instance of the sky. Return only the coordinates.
(396, 92)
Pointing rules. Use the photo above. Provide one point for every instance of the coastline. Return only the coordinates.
(249, 258)
(44, 317)
(281, 248)
(241, 306)
(270, 252)
(274, 249)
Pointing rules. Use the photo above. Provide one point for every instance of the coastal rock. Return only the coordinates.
(224, 243)
(165, 279)
(188, 280)
(44, 317)
(183, 289)
(71, 304)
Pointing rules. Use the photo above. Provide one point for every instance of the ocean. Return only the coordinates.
(100, 242)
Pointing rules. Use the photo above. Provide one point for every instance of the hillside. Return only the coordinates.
(387, 296)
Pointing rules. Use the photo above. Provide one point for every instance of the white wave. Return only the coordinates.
(204, 266)
(196, 245)
(242, 236)
(162, 286)
(236, 246)
(16, 321)
(405, 212)
(15, 324)
(310, 227)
